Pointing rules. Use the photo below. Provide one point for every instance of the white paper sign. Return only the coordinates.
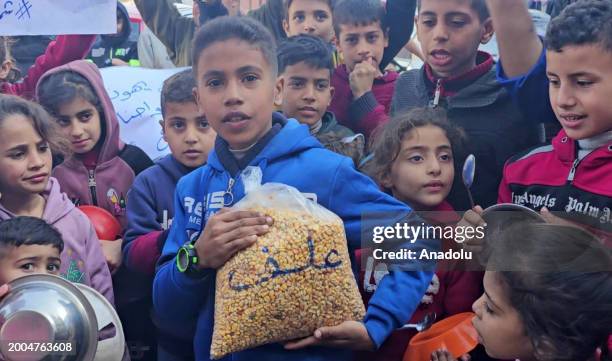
(135, 93)
(56, 17)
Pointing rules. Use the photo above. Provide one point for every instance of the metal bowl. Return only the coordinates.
(44, 316)
(501, 216)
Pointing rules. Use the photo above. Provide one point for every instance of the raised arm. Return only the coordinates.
(167, 24)
(518, 42)
(400, 18)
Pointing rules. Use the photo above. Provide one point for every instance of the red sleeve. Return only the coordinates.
(367, 113)
(64, 49)
(504, 195)
(462, 289)
(144, 253)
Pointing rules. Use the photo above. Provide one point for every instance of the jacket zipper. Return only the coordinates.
(572, 173)
(228, 193)
(92, 187)
(436, 99)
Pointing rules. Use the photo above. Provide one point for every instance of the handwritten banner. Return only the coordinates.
(135, 93)
(56, 17)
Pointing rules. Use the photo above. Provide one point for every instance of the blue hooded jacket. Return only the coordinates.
(295, 158)
(151, 202)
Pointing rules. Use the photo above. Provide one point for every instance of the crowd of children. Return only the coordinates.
(321, 111)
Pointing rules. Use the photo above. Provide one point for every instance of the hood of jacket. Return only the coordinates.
(112, 143)
(117, 39)
(293, 138)
(172, 167)
(57, 207)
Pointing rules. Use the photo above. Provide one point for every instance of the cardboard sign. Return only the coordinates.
(56, 17)
(135, 93)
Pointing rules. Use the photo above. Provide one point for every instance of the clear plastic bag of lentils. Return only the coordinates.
(293, 280)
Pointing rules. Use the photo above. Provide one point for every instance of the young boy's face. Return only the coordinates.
(306, 92)
(359, 43)
(580, 88)
(236, 91)
(188, 133)
(16, 262)
(312, 17)
(450, 32)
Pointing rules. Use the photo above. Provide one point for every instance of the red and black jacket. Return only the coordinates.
(553, 176)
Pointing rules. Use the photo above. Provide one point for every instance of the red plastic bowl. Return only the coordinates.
(455, 334)
(107, 227)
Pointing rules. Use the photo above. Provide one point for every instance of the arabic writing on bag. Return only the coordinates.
(277, 271)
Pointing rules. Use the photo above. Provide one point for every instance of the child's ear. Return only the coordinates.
(286, 26)
(487, 31)
(385, 181)
(161, 123)
(278, 91)
(5, 69)
(386, 32)
(332, 90)
(196, 96)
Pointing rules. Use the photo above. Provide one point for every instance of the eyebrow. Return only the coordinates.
(452, 13)
(577, 74)
(491, 299)
(248, 69)
(82, 112)
(20, 147)
(423, 147)
(30, 259)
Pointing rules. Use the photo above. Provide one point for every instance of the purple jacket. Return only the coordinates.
(107, 185)
(362, 115)
(82, 258)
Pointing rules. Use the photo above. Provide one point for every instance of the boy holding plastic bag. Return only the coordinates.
(235, 68)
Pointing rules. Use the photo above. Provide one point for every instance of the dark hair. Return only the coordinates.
(42, 123)
(63, 87)
(479, 6)
(387, 140)
(178, 89)
(235, 27)
(309, 49)
(26, 231)
(287, 5)
(582, 23)
(359, 12)
(559, 279)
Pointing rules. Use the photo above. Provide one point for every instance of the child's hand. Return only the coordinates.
(118, 62)
(227, 232)
(349, 334)
(112, 253)
(473, 218)
(443, 355)
(362, 78)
